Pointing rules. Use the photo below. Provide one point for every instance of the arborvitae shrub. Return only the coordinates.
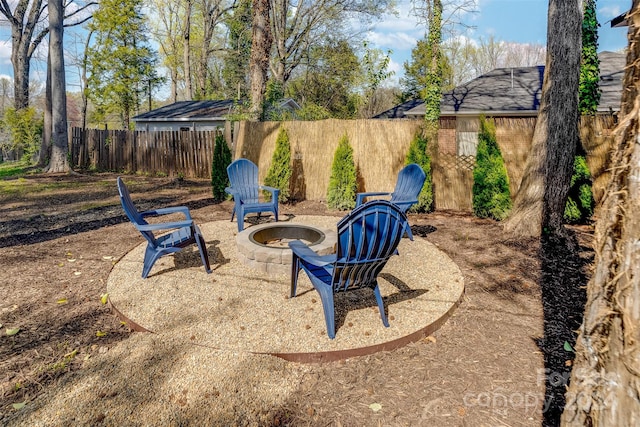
(580, 202)
(418, 154)
(221, 159)
(491, 196)
(342, 183)
(279, 173)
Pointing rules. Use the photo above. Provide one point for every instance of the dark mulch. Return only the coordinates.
(503, 358)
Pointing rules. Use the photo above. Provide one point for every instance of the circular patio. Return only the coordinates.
(245, 309)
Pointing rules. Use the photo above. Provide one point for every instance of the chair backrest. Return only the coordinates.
(243, 177)
(410, 181)
(367, 238)
(131, 211)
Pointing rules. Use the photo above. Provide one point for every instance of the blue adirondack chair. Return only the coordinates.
(367, 238)
(185, 232)
(410, 181)
(243, 177)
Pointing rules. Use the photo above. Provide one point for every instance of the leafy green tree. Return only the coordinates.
(491, 196)
(236, 58)
(374, 64)
(425, 73)
(299, 26)
(330, 79)
(221, 159)
(418, 154)
(590, 64)
(279, 173)
(343, 185)
(121, 63)
(432, 91)
(417, 71)
(25, 128)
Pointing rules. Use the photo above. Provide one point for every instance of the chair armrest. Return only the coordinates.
(360, 196)
(275, 192)
(164, 225)
(302, 251)
(230, 190)
(165, 211)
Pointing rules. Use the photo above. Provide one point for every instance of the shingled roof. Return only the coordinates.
(189, 111)
(515, 92)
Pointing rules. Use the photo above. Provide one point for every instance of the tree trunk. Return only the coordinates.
(279, 33)
(260, 50)
(174, 84)
(23, 20)
(59, 136)
(187, 52)
(85, 99)
(605, 382)
(47, 126)
(21, 62)
(540, 200)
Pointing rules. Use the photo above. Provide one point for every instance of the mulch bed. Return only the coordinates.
(504, 358)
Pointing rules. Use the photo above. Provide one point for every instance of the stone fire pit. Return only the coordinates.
(265, 246)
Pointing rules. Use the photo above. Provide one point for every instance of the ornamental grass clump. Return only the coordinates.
(491, 196)
(221, 159)
(580, 202)
(279, 173)
(342, 183)
(418, 154)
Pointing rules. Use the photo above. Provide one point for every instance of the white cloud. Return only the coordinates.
(393, 41)
(5, 52)
(610, 11)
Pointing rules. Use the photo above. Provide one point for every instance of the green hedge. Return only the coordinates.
(279, 173)
(341, 193)
(580, 202)
(418, 154)
(491, 196)
(221, 159)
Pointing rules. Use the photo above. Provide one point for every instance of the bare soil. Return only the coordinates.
(504, 358)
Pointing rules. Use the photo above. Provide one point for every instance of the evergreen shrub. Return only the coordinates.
(341, 193)
(279, 173)
(25, 128)
(580, 202)
(221, 159)
(418, 154)
(491, 196)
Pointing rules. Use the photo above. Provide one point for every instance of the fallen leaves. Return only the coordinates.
(430, 339)
(18, 406)
(12, 331)
(375, 407)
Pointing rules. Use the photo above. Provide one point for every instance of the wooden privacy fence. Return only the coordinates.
(379, 146)
(178, 153)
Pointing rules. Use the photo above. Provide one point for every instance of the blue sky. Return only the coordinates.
(521, 21)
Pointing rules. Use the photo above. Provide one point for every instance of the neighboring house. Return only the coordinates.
(186, 116)
(503, 92)
(194, 115)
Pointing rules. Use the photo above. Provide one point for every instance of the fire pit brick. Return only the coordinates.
(273, 256)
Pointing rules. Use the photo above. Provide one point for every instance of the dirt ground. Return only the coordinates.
(502, 359)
